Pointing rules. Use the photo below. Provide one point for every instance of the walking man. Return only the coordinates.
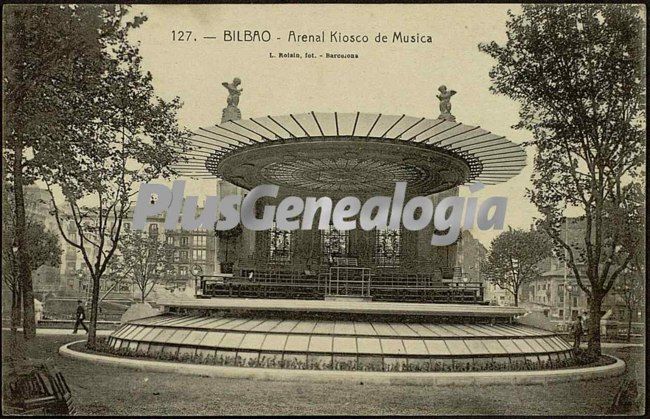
(80, 316)
(577, 333)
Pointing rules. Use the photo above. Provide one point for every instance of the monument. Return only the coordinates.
(445, 103)
(231, 111)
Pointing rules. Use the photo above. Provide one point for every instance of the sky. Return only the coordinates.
(387, 78)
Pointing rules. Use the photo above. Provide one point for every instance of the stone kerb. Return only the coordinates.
(366, 377)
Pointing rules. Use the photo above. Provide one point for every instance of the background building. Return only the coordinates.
(557, 294)
(193, 248)
(471, 254)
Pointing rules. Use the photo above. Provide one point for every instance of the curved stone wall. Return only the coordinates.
(347, 345)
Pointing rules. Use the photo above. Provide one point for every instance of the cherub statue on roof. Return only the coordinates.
(445, 103)
(233, 92)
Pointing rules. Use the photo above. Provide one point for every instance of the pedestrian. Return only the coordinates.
(577, 332)
(80, 316)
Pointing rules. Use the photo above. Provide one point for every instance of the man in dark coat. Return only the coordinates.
(80, 316)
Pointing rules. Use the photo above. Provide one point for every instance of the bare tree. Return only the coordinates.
(149, 259)
(631, 289)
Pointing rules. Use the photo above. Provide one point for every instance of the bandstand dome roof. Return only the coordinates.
(363, 154)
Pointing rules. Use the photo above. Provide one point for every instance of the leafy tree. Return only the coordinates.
(514, 257)
(49, 49)
(119, 135)
(44, 249)
(578, 73)
(151, 261)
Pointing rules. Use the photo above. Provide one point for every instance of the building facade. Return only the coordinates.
(470, 255)
(192, 248)
(556, 292)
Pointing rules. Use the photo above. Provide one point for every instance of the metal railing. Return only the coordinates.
(348, 281)
(339, 281)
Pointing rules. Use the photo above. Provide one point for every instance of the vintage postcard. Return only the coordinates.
(324, 209)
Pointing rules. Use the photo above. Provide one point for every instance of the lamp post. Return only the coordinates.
(196, 273)
(80, 276)
(569, 293)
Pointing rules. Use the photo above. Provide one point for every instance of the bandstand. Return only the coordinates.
(357, 300)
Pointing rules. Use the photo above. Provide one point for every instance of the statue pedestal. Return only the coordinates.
(447, 117)
(230, 113)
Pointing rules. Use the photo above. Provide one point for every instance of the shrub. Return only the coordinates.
(580, 358)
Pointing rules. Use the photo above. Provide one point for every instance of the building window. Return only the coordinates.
(184, 257)
(170, 240)
(387, 247)
(153, 229)
(184, 241)
(280, 244)
(182, 271)
(334, 243)
(199, 241)
(198, 254)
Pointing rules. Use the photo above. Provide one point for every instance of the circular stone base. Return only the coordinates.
(355, 377)
(322, 344)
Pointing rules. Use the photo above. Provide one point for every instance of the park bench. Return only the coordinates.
(37, 391)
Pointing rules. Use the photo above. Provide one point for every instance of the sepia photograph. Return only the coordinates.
(324, 209)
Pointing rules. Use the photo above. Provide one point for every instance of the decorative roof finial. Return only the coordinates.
(232, 112)
(445, 103)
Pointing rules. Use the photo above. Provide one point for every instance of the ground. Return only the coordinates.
(104, 390)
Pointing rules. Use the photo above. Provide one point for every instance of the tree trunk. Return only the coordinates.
(595, 304)
(629, 324)
(15, 309)
(516, 295)
(24, 272)
(94, 304)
